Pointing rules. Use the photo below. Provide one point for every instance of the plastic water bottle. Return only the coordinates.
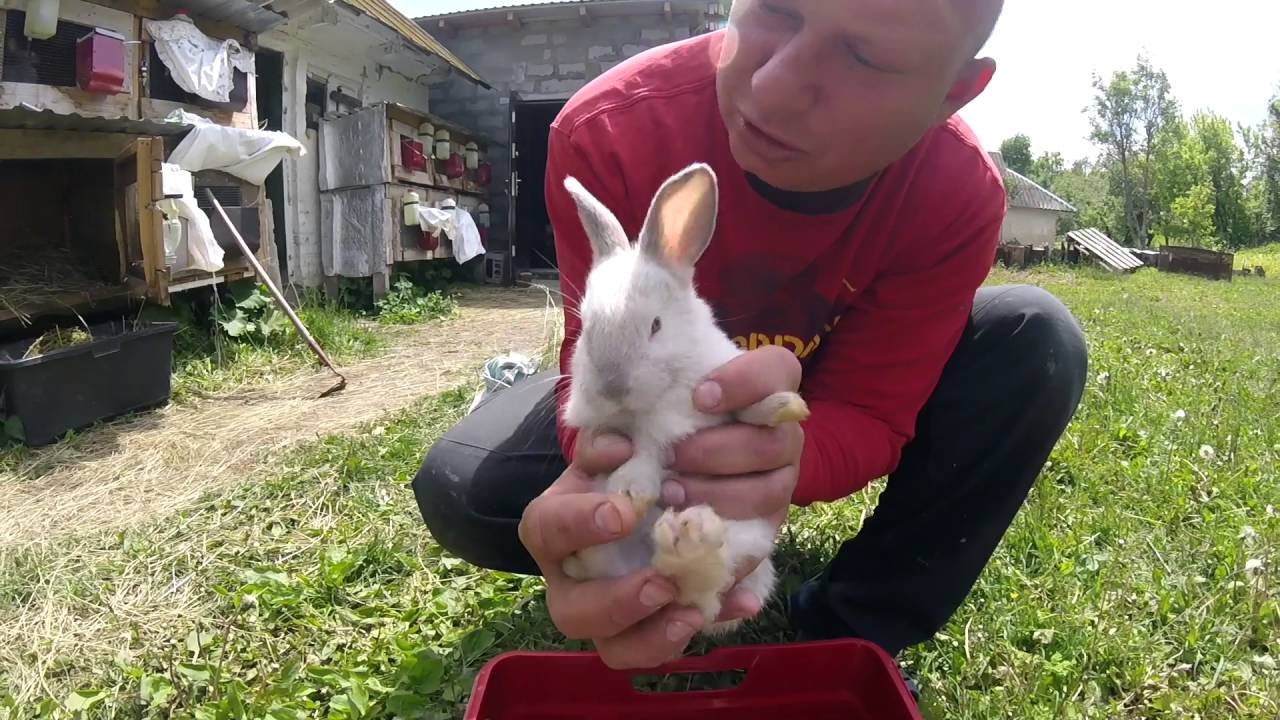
(172, 233)
(42, 19)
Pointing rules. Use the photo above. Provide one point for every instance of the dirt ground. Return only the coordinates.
(141, 468)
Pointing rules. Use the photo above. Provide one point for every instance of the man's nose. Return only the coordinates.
(786, 83)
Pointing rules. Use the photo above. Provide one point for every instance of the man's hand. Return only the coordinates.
(631, 619)
(743, 471)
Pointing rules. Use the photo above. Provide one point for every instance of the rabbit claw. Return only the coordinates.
(778, 408)
(638, 483)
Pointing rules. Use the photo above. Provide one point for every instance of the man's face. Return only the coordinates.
(818, 94)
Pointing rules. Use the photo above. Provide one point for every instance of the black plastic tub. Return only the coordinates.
(119, 372)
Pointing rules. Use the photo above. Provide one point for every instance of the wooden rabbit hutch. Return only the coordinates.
(370, 161)
(83, 142)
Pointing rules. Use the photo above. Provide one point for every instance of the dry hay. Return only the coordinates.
(127, 472)
(36, 272)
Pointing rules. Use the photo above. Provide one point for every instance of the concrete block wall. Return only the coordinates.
(541, 60)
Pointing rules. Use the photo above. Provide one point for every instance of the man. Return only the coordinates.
(858, 219)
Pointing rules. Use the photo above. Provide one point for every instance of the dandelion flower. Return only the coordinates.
(1207, 453)
(1180, 414)
(1253, 565)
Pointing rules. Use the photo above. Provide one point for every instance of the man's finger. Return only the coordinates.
(738, 449)
(739, 604)
(748, 378)
(555, 525)
(595, 454)
(652, 642)
(742, 497)
(608, 606)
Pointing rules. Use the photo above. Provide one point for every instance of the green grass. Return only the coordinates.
(1139, 582)
(207, 364)
(1268, 256)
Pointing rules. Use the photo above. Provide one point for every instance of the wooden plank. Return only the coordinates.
(71, 100)
(61, 144)
(70, 300)
(152, 109)
(153, 10)
(3, 24)
(67, 101)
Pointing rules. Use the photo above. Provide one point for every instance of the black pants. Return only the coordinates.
(1005, 397)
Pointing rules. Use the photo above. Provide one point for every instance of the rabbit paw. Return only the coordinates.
(689, 534)
(639, 482)
(575, 568)
(776, 409)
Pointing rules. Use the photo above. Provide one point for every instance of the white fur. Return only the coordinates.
(630, 380)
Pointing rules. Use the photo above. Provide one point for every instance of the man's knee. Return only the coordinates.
(440, 488)
(1044, 341)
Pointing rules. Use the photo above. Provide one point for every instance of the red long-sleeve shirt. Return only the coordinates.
(872, 298)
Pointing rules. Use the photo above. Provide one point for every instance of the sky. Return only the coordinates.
(1224, 59)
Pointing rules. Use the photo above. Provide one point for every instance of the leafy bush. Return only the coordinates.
(407, 304)
(255, 316)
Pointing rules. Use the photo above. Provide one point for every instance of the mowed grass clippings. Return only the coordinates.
(1140, 581)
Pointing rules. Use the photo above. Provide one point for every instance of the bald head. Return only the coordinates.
(982, 15)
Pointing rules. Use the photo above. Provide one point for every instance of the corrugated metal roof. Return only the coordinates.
(244, 14)
(468, 6)
(1108, 252)
(20, 118)
(453, 8)
(382, 11)
(1027, 193)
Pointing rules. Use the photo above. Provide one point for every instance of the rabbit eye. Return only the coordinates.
(657, 325)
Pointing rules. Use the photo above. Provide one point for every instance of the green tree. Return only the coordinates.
(1017, 153)
(1129, 113)
(1047, 168)
(1190, 217)
(1226, 167)
(1086, 187)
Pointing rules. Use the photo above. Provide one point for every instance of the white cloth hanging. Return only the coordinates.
(467, 245)
(250, 155)
(199, 64)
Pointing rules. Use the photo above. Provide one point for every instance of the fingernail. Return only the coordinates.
(707, 395)
(608, 443)
(673, 494)
(655, 595)
(750, 603)
(679, 631)
(608, 519)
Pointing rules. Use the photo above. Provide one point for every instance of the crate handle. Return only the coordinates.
(725, 659)
(108, 346)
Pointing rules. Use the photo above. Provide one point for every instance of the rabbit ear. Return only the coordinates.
(602, 228)
(682, 218)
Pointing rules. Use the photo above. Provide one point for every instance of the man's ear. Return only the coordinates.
(972, 80)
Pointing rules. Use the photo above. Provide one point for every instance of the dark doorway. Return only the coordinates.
(270, 67)
(535, 247)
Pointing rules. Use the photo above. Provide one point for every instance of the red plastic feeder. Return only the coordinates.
(831, 680)
(100, 62)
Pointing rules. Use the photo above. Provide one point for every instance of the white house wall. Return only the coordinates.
(1026, 226)
(339, 56)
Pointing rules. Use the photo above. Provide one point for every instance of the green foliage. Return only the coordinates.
(407, 304)
(1190, 218)
(1017, 153)
(254, 315)
(209, 358)
(1137, 582)
(1130, 112)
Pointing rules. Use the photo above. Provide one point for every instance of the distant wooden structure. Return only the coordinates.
(1200, 262)
(1093, 242)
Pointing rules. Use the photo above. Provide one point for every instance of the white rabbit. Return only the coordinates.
(647, 340)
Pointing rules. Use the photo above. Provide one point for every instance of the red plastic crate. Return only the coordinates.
(100, 62)
(830, 680)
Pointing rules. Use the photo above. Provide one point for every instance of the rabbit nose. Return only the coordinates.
(613, 383)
